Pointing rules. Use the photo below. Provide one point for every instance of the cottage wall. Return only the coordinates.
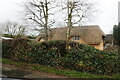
(97, 46)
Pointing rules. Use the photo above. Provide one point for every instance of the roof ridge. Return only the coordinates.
(76, 26)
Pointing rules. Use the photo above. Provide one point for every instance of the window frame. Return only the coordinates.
(75, 38)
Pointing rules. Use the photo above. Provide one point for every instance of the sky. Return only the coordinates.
(106, 16)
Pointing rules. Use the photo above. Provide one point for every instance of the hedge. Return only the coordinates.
(78, 57)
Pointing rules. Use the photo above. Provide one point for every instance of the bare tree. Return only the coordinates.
(77, 12)
(39, 11)
(13, 28)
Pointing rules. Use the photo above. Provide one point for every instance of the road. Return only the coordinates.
(10, 71)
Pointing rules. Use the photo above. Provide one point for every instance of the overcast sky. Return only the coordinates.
(106, 17)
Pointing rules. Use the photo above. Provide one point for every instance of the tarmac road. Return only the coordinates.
(10, 71)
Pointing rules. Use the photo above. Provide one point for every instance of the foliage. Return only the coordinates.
(116, 33)
(11, 36)
(6, 48)
(112, 48)
(32, 36)
(16, 49)
(14, 36)
(7, 35)
(77, 57)
(48, 69)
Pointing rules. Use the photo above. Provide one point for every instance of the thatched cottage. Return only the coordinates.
(109, 40)
(90, 35)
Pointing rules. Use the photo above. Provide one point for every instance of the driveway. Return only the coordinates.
(10, 71)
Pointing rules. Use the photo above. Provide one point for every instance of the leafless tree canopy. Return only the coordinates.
(76, 11)
(39, 11)
(13, 28)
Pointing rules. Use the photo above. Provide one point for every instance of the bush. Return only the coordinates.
(16, 49)
(8, 35)
(48, 53)
(6, 48)
(78, 57)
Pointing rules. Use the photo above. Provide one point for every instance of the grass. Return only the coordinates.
(69, 73)
(117, 76)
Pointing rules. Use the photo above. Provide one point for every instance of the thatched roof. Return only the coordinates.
(90, 34)
(109, 38)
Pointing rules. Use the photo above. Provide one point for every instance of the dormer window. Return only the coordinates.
(76, 38)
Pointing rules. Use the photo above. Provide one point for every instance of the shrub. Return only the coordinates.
(16, 49)
(6, 48)
(49, 52)
(78, 57)
(8, 35)
(60, 46)
(89, 59)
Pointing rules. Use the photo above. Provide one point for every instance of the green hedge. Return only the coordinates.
(78, 57)
(16, 49)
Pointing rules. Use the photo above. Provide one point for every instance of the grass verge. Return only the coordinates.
(69, 73)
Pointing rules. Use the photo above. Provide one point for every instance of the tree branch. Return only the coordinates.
(37, 22)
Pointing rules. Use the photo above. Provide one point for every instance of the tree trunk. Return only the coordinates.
(46, 20)
(69, 24)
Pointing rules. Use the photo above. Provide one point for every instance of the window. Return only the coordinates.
(76, 38)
